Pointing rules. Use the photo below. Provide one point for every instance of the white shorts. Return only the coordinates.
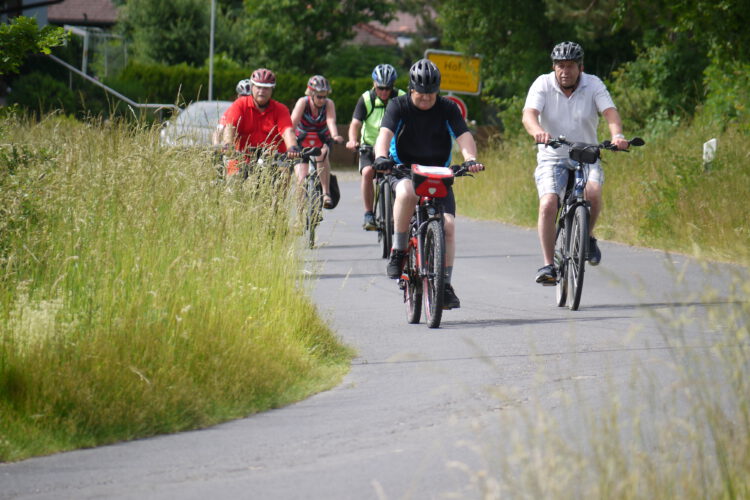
(551, 175)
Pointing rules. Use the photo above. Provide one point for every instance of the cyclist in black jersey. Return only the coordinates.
(419, 127)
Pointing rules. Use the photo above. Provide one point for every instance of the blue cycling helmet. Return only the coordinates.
(384, 75)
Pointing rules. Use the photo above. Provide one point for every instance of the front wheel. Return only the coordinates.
(433, 282)
(577, 251)
(313, 208)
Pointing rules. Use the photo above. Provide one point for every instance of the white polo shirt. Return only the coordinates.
(576, 117)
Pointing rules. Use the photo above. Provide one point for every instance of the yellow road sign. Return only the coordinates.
(459, 73)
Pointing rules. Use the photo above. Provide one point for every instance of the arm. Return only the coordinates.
(383, 142)
(331, 122)
(533, 127)
(290, 139)
(355, 128)
(298, 111)
(615, 127)
(469, 150)
(228, 136)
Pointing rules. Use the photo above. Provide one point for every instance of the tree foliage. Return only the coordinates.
(23, 37)
(167, 32)
(298, 34)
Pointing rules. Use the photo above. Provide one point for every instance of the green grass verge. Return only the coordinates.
(138, 296)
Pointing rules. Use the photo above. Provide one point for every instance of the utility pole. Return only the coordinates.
(211, 53)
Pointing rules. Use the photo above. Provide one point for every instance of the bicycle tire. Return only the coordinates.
(433, 282)
(387, 242)
(314, 207)
(412, 288)
(561, 265)
(380, 216)
(577, 251)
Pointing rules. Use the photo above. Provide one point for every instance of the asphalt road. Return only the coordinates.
(423, 412)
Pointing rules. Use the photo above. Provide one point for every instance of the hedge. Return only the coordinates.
(181, 84)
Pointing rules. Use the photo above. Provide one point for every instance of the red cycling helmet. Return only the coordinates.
(318, 83)
(263, 77)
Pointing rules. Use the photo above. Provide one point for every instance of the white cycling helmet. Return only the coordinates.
(244, 87)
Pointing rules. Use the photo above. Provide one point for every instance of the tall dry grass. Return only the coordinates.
(138, 295)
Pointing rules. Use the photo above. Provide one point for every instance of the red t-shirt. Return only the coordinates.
(257, 128)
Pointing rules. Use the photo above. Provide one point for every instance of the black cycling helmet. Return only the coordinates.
(384, 75)
(567, 51)
(424, 77)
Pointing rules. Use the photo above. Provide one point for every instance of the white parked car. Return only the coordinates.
(194, 125)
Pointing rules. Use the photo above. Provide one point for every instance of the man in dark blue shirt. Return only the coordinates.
(419, 127)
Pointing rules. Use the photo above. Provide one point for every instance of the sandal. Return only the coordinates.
(327, 201)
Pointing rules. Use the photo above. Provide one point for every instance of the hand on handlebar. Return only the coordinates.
(293, 152)
(383, 163)
(338, 139)
(352, 145)
(472, 166)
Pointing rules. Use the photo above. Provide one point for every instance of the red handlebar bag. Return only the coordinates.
(431, 181)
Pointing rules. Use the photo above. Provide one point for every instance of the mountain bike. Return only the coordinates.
(423, 276)
(383, 205)
(313, 191)
(572, 223)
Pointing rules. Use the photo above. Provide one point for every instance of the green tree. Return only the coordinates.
(23, 37)
(167, 32)
(513, 38)
(296, 35)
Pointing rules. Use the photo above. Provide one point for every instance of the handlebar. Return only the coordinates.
(458, 170)
(562, 141)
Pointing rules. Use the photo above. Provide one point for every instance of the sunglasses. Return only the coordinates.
(384, 88)
(316, 96)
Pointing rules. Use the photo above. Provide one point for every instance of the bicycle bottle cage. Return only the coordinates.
(584, 153)
(431, 181)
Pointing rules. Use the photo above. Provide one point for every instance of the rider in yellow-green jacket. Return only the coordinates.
(364, 130)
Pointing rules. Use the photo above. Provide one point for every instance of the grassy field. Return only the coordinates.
(139, 296)
(659, 195)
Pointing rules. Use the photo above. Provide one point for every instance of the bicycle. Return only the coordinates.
(424, 270)
(313, 192)
(383, 205)
(572, 223)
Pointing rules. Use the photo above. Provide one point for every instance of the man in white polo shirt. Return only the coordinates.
(566, 102)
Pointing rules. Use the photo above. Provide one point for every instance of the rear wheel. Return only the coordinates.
(561, 259)
(577, 251)
(412, 287)
(433, 283)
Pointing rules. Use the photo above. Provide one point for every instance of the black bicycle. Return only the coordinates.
(313, 205)
(423, 275)
(383, 205)
(572, 238)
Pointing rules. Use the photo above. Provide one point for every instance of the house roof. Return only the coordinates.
(83, 13)
(375, 33)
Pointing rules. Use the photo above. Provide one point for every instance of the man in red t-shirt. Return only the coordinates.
(257, 121)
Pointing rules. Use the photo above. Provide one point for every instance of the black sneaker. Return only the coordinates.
(450, 301)
(547, 275)
(595, 255)
(369, 224)
(395, 264)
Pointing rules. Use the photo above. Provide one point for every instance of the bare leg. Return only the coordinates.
(594, 196)
(368, 195)
(546, 226)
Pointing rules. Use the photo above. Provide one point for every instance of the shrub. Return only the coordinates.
(42, 93)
